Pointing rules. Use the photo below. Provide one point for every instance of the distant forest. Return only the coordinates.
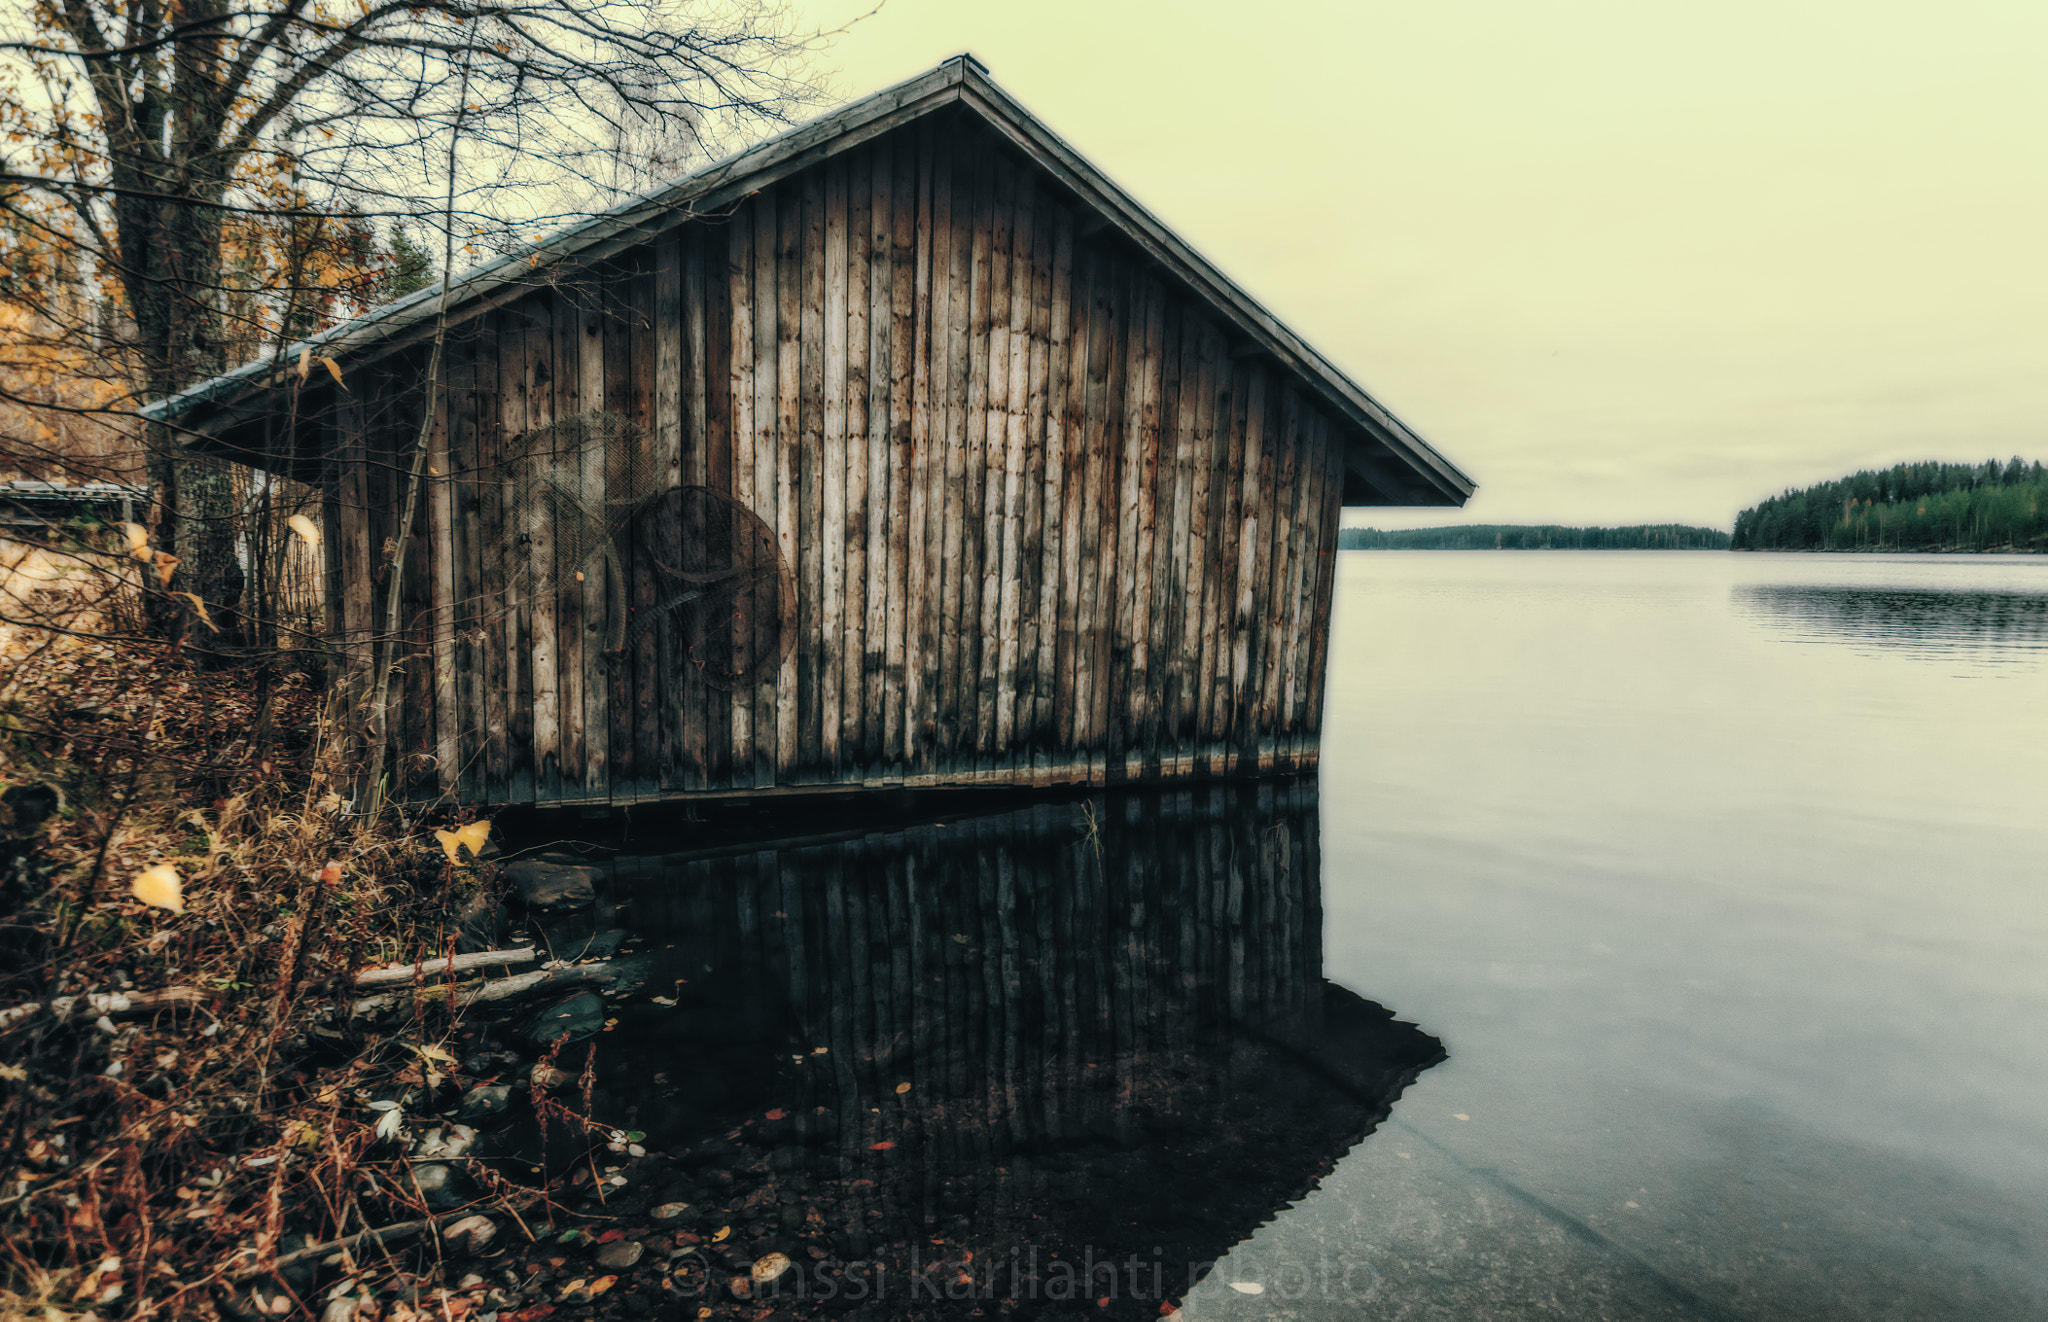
(1539, 537)
(1912, 507)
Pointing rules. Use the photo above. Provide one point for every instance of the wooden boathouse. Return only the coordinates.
(903, 449)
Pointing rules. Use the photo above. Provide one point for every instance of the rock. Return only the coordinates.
(480, 925)
(471, 1235)
(486, 1101)
(440, 1185)
(445, 1144)
(619, 1254)
(553, 887)
(470, 1281)
(581, 1016)
(792, 1218)
(635, 1305)
(670, 1211)
(340, 1310)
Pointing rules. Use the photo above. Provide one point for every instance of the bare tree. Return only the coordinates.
(202, 175)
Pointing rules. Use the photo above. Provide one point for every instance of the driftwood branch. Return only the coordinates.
(604, 972)
(401, 975)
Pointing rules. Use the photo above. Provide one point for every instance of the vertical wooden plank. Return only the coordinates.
(1299, 582)
(1017, 583)
(464, 472)
(1103, 600)
(636, 697)
(1255, 536)
(741, 334)
(881, 713)
(1176, 567)
(1315, 479)
(995, 469)
(712, 346)
(1066, 408)
(1280, 506)
(442, 606)
(678, 335)
(1227, 558)
(974, 384)
(1197, 614)
(1318, 608)
(1045, 485)
(530, 653)
(789, 311)
(924, 471)
(604, 387)
(491, 559)
(951, 387)
(1141, 442)
(853, 719)
(827, 341)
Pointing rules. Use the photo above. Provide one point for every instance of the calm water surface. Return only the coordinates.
(1668, 939)
(1722, 879)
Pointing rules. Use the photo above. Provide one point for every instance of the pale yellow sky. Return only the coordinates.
(1621, 260)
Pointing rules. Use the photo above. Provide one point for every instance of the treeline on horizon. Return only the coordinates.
(1909, 507)
(1535, 537)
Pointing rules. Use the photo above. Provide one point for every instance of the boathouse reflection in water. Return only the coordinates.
(980, 1060)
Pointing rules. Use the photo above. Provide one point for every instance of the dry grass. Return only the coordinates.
(181, 1089)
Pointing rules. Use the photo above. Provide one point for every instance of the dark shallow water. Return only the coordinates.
(1720, 879)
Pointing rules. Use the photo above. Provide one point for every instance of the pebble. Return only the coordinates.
(619, 1254)
(669, 1211)
(485, 1101)
(472, 1235)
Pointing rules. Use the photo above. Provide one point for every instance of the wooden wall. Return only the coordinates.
(1045, 522)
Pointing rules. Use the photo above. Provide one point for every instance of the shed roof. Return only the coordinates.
(1385, 454)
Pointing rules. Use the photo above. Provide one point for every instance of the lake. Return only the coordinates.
(1722, 879)
(1667, 937)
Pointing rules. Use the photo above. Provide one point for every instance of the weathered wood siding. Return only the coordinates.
(1046, 521)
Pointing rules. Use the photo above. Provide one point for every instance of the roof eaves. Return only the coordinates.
(640, 216)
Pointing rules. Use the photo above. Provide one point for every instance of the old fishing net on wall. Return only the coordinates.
(587, 502)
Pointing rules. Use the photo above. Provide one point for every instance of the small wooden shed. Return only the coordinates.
(902, 449)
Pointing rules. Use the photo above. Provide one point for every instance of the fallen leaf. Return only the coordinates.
(333, 369)
(138, 540)
(1247, 1287)
(1460, 1115)
(305, 362)
(307, 530)
(724, 1232)
(882, 1146)
(902, 1088)
(166, 565)
(777, 1114)
(161, 887)
(471, 837)
(601, 1284)
(330, 875)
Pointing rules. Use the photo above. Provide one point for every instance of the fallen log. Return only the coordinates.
(606, 972)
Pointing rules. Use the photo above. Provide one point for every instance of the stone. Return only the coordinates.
(578, 1017)
(470, 1281)
(619, 1254)
(440, 1185)
(478, 1103)
(553, 887)
(480, 924)
(471, 1235)
(340, 1310)
(670, 1211)
(448, 1144)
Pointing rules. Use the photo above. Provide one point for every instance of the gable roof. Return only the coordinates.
(1387, 456)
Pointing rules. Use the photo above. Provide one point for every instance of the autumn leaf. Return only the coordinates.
(198, 608)
(331, 874)
(601, 1284)
(724, 1233)
(166, 565)
(882, 1146)
(777, 1114)
(308, 531)
(138, 541)
(471, 837)
(161, 887)
(333, 370)
(305, 362)
(902, 1088)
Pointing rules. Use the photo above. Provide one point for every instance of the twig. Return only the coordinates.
(399, 975)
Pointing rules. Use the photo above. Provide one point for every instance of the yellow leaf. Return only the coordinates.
(166, 565)
(579, 576)
(601, 1284)
(333, 369)
(902, 1088)
(308, 531)
(723, 1233)
(435, 1053)
(471, 837)
(161, 887)
(138, 540)
(305, 362)
(199, 609)
(433, 471)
